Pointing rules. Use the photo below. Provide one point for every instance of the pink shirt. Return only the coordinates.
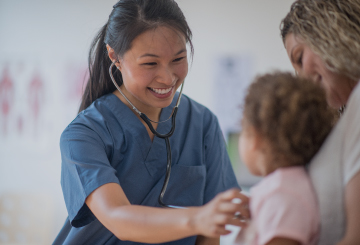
(284, 205)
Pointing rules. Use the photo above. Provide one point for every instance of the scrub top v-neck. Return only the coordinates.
(107, 143)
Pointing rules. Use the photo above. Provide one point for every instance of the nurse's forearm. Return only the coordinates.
(139, 223)
(155, 225)
(152, 225)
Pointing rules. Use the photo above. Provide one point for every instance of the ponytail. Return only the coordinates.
(99, 82)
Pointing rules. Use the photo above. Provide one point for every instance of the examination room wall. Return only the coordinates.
(43, 53)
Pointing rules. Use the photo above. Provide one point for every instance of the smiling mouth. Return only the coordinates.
(161, 90)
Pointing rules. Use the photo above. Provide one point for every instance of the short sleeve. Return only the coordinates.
(284, 215)
(352, 137)
(219, 172)
(85, 167)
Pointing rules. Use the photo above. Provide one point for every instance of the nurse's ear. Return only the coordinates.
(112, 55)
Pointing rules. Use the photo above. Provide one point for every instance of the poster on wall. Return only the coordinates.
(37, 101)
(22, 100)
(233, 74)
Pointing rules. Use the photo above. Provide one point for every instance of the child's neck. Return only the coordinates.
(266, 165)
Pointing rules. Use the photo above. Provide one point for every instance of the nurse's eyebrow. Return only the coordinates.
(181, 51)
(156, 56)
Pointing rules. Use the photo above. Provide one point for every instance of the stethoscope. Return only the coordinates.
(163, 136)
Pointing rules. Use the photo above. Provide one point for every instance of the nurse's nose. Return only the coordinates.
(166, 76)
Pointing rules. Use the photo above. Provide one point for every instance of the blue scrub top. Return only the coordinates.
(107, 143)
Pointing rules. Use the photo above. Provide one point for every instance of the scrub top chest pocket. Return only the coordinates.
(186, 186)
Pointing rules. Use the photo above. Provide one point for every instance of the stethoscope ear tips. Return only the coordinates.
(117, 62)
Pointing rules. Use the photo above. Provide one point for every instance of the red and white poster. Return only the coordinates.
(7, 99)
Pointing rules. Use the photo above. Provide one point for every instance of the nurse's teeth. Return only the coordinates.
(161, 91)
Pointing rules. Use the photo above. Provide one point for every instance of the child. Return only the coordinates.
(286, 119)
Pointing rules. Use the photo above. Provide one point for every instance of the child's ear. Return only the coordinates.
(255, 139)
(258, 140)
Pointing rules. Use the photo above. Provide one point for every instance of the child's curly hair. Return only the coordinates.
(291, 113)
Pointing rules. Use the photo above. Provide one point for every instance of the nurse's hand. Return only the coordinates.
(210, 220)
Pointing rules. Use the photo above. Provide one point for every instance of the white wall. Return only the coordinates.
(233, 27)
(47, 37)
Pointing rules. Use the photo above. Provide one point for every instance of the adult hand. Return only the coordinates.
(210, 219)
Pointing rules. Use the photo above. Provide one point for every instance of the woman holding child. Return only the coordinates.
(322, 40)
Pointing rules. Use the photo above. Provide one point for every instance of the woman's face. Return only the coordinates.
(153, 68)
(308, 64)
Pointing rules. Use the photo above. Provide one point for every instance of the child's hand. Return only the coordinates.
(210, 220)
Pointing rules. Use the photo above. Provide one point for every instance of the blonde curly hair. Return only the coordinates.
(331, 28)
(291, 113)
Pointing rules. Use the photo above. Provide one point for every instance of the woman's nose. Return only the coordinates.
(166, 76)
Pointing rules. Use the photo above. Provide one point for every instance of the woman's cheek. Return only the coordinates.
(145, 77)
(182, 70)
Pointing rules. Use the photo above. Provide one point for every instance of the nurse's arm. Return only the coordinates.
(352, 206)
(156, 225)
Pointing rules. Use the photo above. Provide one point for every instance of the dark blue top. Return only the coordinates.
(108, 143)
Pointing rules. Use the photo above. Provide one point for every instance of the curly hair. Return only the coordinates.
(291, 113)
(331, 28)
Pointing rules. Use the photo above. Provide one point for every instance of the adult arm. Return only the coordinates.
(156, 225)
(352, 170)
(352, 206)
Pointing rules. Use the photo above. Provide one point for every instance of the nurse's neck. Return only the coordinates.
(151, 112)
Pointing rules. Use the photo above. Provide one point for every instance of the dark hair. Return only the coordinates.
(291, 113)
(127, 20)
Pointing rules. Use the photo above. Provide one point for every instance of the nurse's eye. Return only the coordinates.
(178, 59)
(150, 64)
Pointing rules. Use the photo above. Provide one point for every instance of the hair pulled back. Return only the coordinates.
(291, 113)
(127, 20)
(331, 28)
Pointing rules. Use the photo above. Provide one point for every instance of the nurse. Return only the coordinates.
(113, 167)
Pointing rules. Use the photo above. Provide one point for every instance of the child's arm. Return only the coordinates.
(282, 241)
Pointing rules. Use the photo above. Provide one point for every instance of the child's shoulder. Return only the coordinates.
(284, 187)
(281, 179)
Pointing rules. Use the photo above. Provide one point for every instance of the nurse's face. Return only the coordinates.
(154, 67)
(310, 65)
